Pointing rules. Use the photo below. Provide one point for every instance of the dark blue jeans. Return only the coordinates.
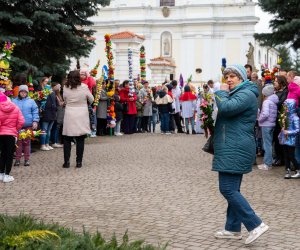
(164, 123)
(239, 210)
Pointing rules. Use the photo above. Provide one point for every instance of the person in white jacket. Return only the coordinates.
(176, 92)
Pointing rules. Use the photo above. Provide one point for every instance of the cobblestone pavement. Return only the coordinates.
(159, 187)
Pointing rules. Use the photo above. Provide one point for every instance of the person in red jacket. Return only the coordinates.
(11, 120)
(130, 103)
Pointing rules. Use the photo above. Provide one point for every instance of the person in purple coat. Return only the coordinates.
(267, 122)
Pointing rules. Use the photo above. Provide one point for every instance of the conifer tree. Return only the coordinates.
(285, 55)
(297, 61)
(285, 24)
(48, 33)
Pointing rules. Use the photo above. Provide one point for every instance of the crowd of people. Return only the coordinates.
(277, 128)
(67, 112)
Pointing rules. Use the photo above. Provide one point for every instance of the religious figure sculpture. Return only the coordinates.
(166, 47)
(166, 44)
(250, 55)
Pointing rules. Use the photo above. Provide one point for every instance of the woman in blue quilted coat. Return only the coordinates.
(234, 146)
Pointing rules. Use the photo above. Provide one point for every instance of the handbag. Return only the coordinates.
(209, 145)
(125, 107)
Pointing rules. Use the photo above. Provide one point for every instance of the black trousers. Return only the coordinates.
(289, 156)
(129, 124)
(79, 147)
(145, 123)
(101, 126)
(7, 148)
(177, 121)
(278, 149)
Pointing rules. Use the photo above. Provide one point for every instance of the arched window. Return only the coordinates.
(167, 2)
(259, 57)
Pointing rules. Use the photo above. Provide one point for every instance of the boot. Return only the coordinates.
(78, 164)
(287, 174)
(66, 165)
(17, 163)
(26, 163)
(193, 132)
(187, 132)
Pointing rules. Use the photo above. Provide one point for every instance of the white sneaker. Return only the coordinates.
(118, 134)
(49, 147)
(44, 148)
(264, 167)
(297, 175)
(93, 135)
(57, 145)
(168, 133)
(255, 233)
(1, 176)
(8, 178)
(228, 235)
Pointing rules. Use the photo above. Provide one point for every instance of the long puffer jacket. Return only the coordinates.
(11, 118)
(234, 142)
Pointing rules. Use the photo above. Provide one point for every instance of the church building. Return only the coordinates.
(180, 37)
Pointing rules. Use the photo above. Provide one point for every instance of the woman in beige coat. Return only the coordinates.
(76, 119)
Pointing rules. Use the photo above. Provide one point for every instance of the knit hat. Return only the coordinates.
(237, 69)
(23, 88)
(268, 90)
(297, 80)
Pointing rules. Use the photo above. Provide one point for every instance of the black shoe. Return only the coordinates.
(66, 165)
(17, 163)
(187, 132)
(26, 163)
(193, 132)
(78, 164)
(180, 132)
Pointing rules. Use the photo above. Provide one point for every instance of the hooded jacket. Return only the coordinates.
(11, 118)
(293, 125)
(294, 92)
(164, 102)
(234, 142)
(29, 110)
(268, 114)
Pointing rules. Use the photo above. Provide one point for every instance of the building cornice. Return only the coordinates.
(176, 22)
(204, 5)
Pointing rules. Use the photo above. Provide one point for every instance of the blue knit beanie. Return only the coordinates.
(238, 69)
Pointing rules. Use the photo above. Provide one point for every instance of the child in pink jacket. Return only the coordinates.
(11, 120)
(294, 90)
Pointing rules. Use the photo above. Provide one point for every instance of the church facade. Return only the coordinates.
(189, 34)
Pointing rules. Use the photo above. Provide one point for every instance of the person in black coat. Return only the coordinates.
(119, 114)
(281, 90)
(48, 117)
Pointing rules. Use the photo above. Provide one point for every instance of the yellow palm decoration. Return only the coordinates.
(23, 238)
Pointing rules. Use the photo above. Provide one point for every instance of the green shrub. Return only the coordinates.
(25, 233)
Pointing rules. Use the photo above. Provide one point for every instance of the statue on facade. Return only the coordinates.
(166, 44)
(166, 47)
(250, 55)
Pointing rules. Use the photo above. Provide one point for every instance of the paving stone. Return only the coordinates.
(161, 188)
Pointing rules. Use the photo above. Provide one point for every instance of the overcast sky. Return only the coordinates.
(263, 25)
